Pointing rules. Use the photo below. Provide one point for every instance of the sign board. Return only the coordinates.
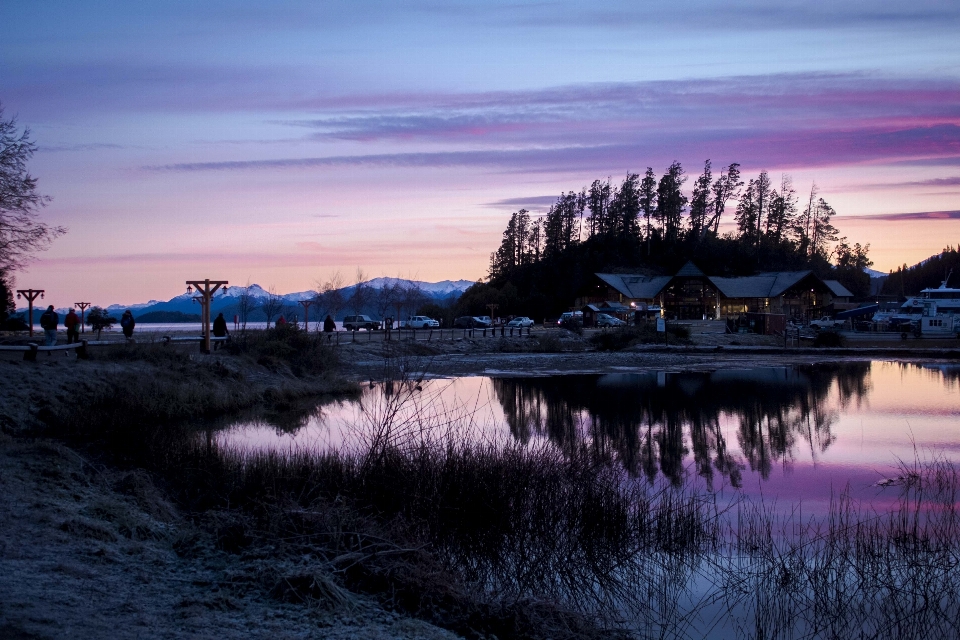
(661, 326)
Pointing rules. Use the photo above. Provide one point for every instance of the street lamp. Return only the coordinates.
(306, 313)
(31, 295)
(83, 307)
(205, 288)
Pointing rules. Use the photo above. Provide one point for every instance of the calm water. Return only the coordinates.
(789, 433)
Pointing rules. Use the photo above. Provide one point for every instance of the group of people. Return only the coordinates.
(50, 322)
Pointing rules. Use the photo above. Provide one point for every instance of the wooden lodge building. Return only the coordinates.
(691, 294)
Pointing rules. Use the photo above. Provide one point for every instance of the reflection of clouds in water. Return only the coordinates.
(727, 427)
(435, 410)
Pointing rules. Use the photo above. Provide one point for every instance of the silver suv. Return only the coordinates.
(422, 322)
(355, 323)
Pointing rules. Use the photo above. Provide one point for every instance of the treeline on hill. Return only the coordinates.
(648, 225)
(907, 281)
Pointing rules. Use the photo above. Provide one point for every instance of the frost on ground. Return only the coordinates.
(92, 552)
(89, 553)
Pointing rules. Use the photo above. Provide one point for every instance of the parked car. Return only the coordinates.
(421, 322)
(576, 316)
(521, 322)
(826, 322)
(465, 322)
(606, 320)
(482, 322)
(355, 323)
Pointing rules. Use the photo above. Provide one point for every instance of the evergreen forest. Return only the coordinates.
(647, 224)
(928, 274)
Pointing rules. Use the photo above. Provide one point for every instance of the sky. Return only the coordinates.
(280, 142)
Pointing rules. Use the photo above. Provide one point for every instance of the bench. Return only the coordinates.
(168, 339)
(31, 349)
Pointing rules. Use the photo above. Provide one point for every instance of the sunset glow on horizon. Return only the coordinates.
(276, 144)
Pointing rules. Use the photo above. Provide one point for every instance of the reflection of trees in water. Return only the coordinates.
(947, 372)
(642, 419)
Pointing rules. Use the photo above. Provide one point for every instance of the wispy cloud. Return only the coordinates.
(898, 217)
(770, 149)
(953, 181)
(535, 202)
(936, 182)
(86, 146)
(602, 112)
(777, 121)
(946, 161)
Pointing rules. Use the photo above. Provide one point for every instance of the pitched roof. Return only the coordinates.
(609, 305)
(838, 289)
(689, 270)
(746, 287)
(635, 286)
(762, 285)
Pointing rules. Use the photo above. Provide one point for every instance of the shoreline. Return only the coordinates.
(78, 524)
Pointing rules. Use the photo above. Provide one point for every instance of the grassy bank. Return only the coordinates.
(523, 541)
(620, 338)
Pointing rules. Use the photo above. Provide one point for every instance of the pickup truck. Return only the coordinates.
(826, 322)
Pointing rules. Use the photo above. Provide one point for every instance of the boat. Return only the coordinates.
(935, 312)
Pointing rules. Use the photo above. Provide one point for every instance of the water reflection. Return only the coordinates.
(652, 421)
(795, 432)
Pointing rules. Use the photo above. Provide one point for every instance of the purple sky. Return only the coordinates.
(276, 143)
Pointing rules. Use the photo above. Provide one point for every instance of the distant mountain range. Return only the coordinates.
(445, 292)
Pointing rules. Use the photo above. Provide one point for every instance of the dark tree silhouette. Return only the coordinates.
(21, 232)
(671, 202)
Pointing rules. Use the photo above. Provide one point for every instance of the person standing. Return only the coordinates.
(281, 322)
(72, 323)
(329, 326)
(48, 322)
(219, 329)
(127, 323)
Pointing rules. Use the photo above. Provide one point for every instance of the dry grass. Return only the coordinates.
(528, 541)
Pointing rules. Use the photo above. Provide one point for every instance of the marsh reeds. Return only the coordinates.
(857, 572)
(533, 540)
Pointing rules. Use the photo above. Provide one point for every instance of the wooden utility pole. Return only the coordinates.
(493, 309)
(83, 307)
(31, 295)
(306, 313)
(206, 289)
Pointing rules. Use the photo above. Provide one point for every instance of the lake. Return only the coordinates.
(795, 434)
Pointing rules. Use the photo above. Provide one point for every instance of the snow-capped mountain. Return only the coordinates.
(119, 308)
(226, 301)
(443, 288)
